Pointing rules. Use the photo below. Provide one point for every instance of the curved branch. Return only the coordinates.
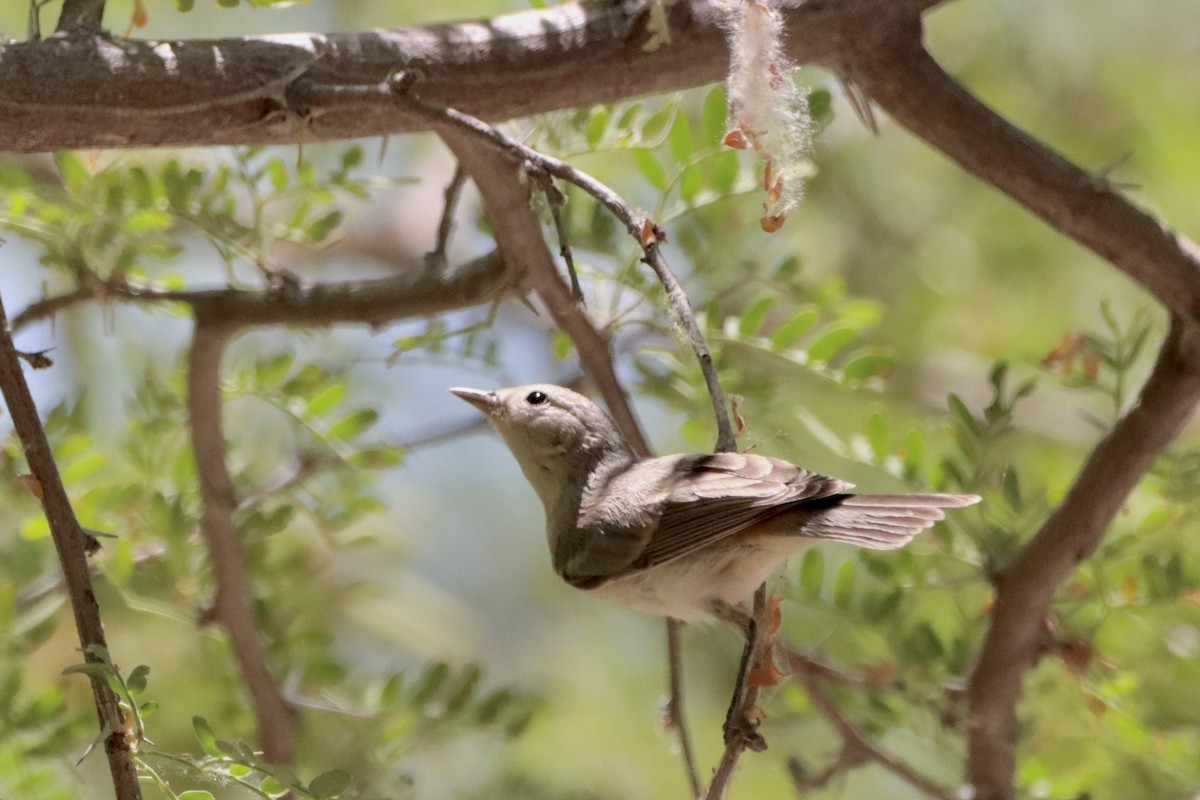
(896, 71)
(1027, 587)
(95, 92)
(233, 603)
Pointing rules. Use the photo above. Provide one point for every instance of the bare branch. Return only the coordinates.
(897, 72)
(1027, 587)
(411, 293)
(72, 545)
(233, 603)
(155, 94)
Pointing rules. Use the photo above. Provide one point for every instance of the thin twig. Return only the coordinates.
(233, 603)
(72, 545)
(674, 714)
(436, 258)
(555, 200)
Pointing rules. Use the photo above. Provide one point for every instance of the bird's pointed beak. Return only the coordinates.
(487, 402)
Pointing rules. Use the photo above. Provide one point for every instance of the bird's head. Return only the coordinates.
(557, 435)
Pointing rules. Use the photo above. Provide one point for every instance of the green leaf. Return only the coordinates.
(378, 457)
(326, 399)
(463, 689)
(84, 467)
(352, 157)
(429, 684)
(329, 784)
(649, 166)
(185, 5)
(277, 173)
(679, 140)
(725, 168)
(137, 679)
(691, 181)
(74, 172)
(319, 230)
(194, 794)
(353, 424)
(273, 371)
(147, 708)
(812, 573)
(269, 784)
(843, 585)
(714, 115)
(92, 669)
(755, 315)
(596, 125)
(866, 365)
(794, 329)
(205, 735)
(653, 128)
(877, 435)
(490, 708)
(561, 344)
(820, 105)
(1012, 489)
(830, 341)
(965, 420)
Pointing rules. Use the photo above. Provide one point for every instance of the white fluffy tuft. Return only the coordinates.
(766, 110)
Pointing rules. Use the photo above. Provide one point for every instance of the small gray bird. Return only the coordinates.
(682, 536)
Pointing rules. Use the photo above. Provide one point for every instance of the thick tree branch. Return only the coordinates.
(1027, 587)
(896, 71)
(72, 544)
(96, 92)
(233, 603)
(81, 16)
(412, 293)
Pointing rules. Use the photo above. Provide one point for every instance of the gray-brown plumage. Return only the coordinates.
(680, 535)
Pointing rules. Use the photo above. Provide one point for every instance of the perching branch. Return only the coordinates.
(741, 721)
(72, 545)
(1028, 585)
(233, 602)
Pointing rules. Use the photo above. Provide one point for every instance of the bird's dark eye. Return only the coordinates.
(536, 398)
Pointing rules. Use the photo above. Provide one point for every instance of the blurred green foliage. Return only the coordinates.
(909, 327)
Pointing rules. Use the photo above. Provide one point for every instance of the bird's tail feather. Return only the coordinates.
(883, 521)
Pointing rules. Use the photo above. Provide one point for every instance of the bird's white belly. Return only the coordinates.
(687, 588)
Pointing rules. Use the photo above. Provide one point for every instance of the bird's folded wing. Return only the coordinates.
(711, 497)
